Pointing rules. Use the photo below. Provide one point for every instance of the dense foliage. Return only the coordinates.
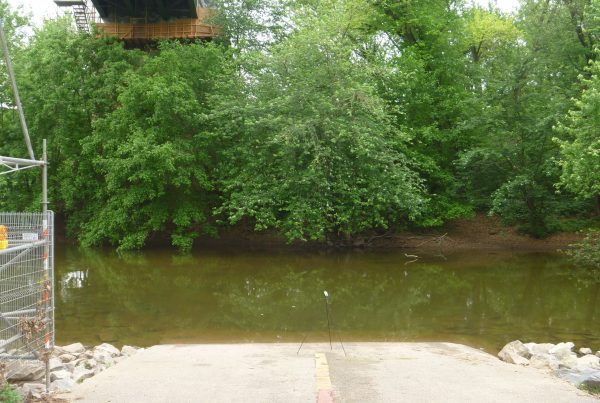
(587, 252)
(314, 151)
(319, 119)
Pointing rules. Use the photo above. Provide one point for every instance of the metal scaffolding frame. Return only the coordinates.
(26, 263)
(84, 13)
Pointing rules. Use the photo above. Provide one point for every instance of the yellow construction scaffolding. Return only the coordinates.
(187, 28)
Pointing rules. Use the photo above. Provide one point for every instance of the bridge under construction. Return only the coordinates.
(138, 22)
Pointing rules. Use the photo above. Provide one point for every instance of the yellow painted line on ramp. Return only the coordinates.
(324, 388)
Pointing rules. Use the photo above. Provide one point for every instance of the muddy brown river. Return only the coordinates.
(481, 299)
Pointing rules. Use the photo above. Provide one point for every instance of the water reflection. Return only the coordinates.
(481, 299)
(73, 279)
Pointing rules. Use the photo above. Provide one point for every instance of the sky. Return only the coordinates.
(41, 9)
(504, 5)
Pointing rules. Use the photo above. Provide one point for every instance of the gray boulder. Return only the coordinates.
(75, 348)
(58, 350)
(81, 373)
(515, 353)
(544, 361)
(33, 389)
(585, 351)
(62, 374)
(70, 366)
(26, 371)
(539, 348)
(103, 357)
(588, 376)
(568, 361)
(588, 361)
(67, 357)
(62, 385)
(90, 364)
(56, 364)
(108, 348)
(562, 350)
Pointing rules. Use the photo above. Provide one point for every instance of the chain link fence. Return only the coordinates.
(26, 288)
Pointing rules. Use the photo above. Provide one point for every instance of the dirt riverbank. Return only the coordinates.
(478, 233)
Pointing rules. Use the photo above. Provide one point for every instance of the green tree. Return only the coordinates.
(127, 132)
(430, 89)
(525, 91)
(320, 119)
(580, 147)
(252, 24)
(69, 80)
(316, 152)
(152, 152)
(15, 25)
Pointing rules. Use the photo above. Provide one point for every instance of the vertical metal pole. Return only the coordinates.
(13, 82)
(46, 231)
(328, 322)
(44, 180)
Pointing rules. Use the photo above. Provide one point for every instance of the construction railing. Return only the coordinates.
(26, 265)
(26, 285)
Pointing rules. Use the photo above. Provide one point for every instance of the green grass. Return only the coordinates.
(9, 395)
(591, 389)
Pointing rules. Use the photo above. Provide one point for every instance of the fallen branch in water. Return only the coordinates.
(414, 257)
(438, 239)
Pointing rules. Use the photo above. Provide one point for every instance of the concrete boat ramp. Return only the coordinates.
(368, 372)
